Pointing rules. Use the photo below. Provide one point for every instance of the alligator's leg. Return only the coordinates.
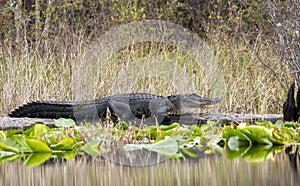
(88, 113)
(138, 112)
(159, 110)
(121, 109)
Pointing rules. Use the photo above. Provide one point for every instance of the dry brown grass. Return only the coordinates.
(248, 87)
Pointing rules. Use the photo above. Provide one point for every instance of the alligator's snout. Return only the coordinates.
(194, 100)
(209, 101)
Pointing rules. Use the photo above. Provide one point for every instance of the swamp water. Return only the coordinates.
(208, 169)
(238, 160)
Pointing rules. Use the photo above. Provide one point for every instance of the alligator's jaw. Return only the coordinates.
(191, 103)
(196, 103)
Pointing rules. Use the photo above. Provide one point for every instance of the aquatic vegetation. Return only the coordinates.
(39, 143)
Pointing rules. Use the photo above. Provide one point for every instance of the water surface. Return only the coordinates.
(206, 170)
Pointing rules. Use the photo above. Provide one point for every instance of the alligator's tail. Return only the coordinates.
(45, 110)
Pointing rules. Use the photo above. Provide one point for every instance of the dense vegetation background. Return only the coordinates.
(257, 44)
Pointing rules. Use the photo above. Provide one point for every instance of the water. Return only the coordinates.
(280, 169)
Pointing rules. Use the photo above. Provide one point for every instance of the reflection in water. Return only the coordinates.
(141, 157)
(209, 170)
(294, 157)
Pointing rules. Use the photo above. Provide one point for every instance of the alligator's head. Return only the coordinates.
(190, 103)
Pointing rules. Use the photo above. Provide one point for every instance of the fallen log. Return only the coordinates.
(22, 123)
(225, 118)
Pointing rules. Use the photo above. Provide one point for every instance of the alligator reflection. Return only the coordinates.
(141, 157)
(136, 158)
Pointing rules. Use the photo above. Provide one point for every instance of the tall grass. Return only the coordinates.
(248, 86)
(43, 53)
(251, 87)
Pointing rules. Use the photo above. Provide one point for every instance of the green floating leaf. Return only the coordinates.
(212, 143)
(169, 127)
(13, 132)
(168, 147)
(29, 131)
(65, 144)
(215, 139)
(283, 136)
(197, 130)
(264, 123)
(39, 131)
(36, 131)
(13, 144)
(9, 146)
(63, 122)
(3, 134)
(52, 138)
(36, 159)
(163, 134)
(257, 134)
(291, 124)
(37, 146)
(234, 143)
(230, 132)
(92, 148)
(153, 131)
(210, 126)
(182, 131)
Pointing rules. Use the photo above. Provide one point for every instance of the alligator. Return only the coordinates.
(129, 107)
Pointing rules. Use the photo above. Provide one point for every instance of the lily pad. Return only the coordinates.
(168, 147)
(92, 148)
(65, 144)
(37, 146)
(63, 122)
(36, 159)
(9, 145)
